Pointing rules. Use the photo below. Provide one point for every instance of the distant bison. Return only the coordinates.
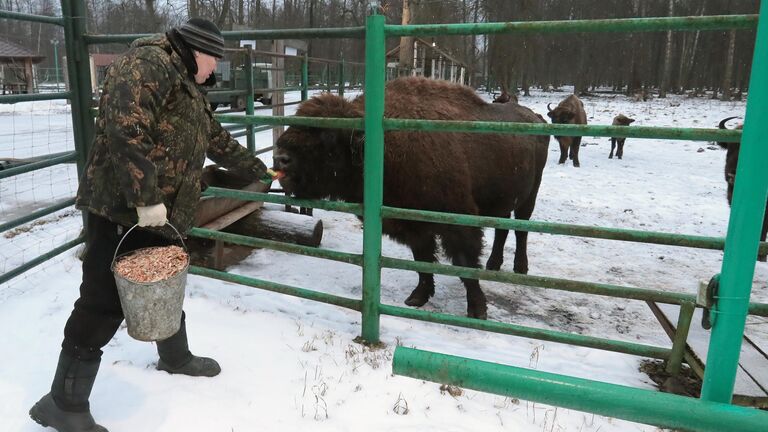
(731, 161)
(505, 96)
(569, 111)
(619, 120)
(476, 174)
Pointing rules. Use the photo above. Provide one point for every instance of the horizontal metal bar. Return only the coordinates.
(335, 300)
(301, 57)
(265, 107)
(703, 242)
(30, 97)
(722, 135)
(608, 290)
(226, 93)
(344, 123)
(320, 33)
(648, 406)
(69, 157)
(316, 33)
(5, 277)
(529, 332)
(328, 254)
(264, 150)
(37, 214)
(356, 209)
(32, 18)
(541, 281)
(277, 89)
(712, 22)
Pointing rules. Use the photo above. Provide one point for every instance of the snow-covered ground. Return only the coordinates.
(290, 364)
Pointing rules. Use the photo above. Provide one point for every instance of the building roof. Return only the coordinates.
(10, 51)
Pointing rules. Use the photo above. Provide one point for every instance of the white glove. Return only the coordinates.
(154, 215)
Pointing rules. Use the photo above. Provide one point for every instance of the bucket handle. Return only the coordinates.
(114, 257)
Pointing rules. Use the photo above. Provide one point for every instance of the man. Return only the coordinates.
(153, 132)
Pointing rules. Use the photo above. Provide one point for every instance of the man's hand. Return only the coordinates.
(154, 215)
(271, 175)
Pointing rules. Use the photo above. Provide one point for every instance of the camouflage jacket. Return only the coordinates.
(153, 131)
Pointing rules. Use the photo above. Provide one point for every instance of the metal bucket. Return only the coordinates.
(152, 310)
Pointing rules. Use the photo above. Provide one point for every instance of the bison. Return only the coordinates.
(619, 120)
(731, 160)
(569, 111)
(505, 97)
(476, 174)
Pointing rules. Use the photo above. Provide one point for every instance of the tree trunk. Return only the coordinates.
(275, 224)
(406, 42)
(192, 8)
(685, 73)
(728, 74)
(666, 72)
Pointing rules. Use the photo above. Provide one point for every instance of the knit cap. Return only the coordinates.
(203, 35)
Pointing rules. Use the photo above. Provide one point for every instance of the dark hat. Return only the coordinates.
(202, 35)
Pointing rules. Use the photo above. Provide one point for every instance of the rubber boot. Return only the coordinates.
(175, 357)
(66, 407)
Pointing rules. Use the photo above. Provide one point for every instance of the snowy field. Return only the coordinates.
(290, 364)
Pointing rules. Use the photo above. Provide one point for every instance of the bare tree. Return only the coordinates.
(667, 56)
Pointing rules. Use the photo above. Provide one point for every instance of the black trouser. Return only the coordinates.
(97, 313)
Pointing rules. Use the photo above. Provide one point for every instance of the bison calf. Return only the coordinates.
(476, 174)
(731, 161)
(569, 111)
(619, 120)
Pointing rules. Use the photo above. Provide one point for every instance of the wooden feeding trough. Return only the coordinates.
(250, 218)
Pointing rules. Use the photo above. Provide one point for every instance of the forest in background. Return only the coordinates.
(713, 62)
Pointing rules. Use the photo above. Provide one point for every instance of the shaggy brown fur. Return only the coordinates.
(477, 174)
(619, 120)
(731, 162)
(569, 111)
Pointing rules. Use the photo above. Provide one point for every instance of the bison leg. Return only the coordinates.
(523, 212)
(463, 245)
(423, 248)
(575, 143)
(613, 145)
(620, 151)
(497, 253)
(563, 150)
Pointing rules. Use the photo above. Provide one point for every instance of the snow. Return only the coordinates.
(291, 364)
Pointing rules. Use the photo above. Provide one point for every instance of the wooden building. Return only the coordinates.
(16, 71)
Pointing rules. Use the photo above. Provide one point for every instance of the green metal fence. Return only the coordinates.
(740, 244)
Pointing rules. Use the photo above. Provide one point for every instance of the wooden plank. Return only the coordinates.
(233, 216)
(750, 362)
(211, 208)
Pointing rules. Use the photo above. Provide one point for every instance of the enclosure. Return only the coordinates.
(711, 412)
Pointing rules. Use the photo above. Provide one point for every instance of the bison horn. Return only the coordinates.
(722, 122)
(548, 107)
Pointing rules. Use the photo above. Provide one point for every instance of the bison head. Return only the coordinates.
(623, 120)
(560, 114)
(731, 158)
(321, 162)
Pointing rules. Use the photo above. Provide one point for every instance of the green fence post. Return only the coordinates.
(304, 76)
(374, 173)
(249, 108)
(341, 77)
(78, 66)
(741, 243)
